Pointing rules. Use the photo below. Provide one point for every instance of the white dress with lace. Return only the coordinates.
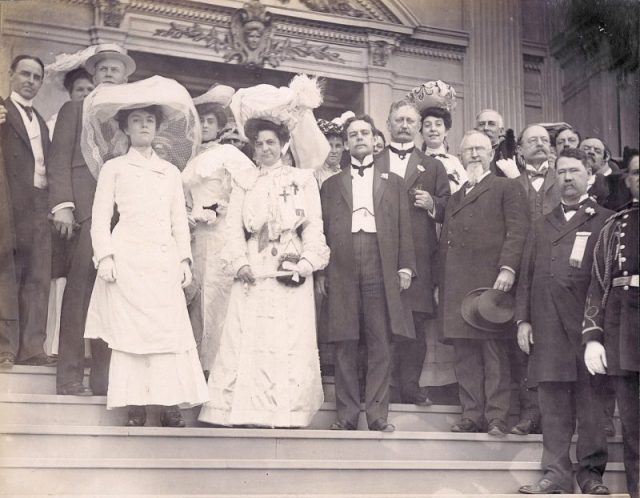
(267, 371)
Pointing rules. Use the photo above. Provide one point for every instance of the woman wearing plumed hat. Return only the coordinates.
(267, 371)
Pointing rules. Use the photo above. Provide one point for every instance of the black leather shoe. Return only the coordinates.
(497, 428)
(524, 427)
(542, 487)
(137, 416)
(74, 389)
(7, 360)
(422, 399)
(172, 417)
(382, 425)
(465, 425)
(595, 487)
(342, 425)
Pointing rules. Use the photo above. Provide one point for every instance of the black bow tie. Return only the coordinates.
(536, 174)
(361, 168)
(401, 153)
(568, 208)
(444, 156)
(28, 109)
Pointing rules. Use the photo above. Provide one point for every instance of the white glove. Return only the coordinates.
(107, 269)
(508, 167)
(595, 358)
(304, 268)
(185, 271)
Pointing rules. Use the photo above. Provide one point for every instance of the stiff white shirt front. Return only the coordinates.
(35, 139)
(363, 215)
(537, 182)
(397, 165)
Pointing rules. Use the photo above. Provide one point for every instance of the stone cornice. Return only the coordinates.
(46, 32)
(433, 50)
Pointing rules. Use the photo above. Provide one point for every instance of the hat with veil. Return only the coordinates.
(292, 107)
(102, 139)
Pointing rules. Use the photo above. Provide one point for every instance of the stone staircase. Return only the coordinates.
(72, 446)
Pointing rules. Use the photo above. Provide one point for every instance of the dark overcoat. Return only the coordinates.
(8, 283)
(393, 228)
(69, 177)
(551, 293)
(430, 175)
(482, 232)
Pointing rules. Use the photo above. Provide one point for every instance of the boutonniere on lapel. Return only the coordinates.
(579, 247)
(590, 211)
(384, 176)
(421, 168)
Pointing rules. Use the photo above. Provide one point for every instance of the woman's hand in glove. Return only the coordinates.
(107, 269)
(185, 271)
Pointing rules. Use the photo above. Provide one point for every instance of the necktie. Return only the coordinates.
(444, 156)
(29, 110)
(361, 168)
(533, 174)
(567, 208)
(401, 153)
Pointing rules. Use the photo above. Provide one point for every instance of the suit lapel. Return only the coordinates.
(15, 120)
(476, 192)
(412, 173)
(346, 187)
(379, 185)
(549, 179)
(568, 227)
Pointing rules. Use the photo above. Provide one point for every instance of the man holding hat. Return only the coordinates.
(551, 294)
(481, 245)
(72, 188)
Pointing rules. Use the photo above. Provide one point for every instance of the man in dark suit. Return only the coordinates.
(543, 195)
(72, 188)
(606, 176)
(611, 331)
(552, 289)
(427, 188)
(368, 228)
(481, 244)
(25, 145)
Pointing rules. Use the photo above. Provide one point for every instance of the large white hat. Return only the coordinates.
(102, 139)
(217, 94)
(433, 94)
(110, 51)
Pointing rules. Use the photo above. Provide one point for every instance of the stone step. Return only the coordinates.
(50, 409)
(28, 441)
(259, 476)
(341, 495)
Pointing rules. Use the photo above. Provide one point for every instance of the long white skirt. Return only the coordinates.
(156, 379)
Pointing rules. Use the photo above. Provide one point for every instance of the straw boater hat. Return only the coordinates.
(488, 309)
(110, 51)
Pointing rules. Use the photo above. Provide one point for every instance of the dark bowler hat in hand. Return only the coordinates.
(488, 309)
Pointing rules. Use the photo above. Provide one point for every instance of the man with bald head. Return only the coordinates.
(491, 123)
(72, 188)
(481, 244)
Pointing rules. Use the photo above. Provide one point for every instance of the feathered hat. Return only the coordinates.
(433, 94)
(292, 107)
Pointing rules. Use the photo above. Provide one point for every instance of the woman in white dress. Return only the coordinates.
(267, 371)
(137, 305)
(207, 185)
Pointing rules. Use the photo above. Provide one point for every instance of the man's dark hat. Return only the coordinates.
(488, 309)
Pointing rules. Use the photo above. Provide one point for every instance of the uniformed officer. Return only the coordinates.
(611, 331)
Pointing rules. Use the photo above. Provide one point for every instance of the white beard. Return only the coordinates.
(474, 172)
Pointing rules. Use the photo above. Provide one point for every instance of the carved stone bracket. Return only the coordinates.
(380, 51)
(111, 12)
(249, 40)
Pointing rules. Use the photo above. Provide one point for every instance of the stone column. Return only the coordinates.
(378, 93)
(493, 63)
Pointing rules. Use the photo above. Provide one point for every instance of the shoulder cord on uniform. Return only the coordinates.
(608, 239)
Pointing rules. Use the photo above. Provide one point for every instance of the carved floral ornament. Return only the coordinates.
(249, 40)
(111, 11)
